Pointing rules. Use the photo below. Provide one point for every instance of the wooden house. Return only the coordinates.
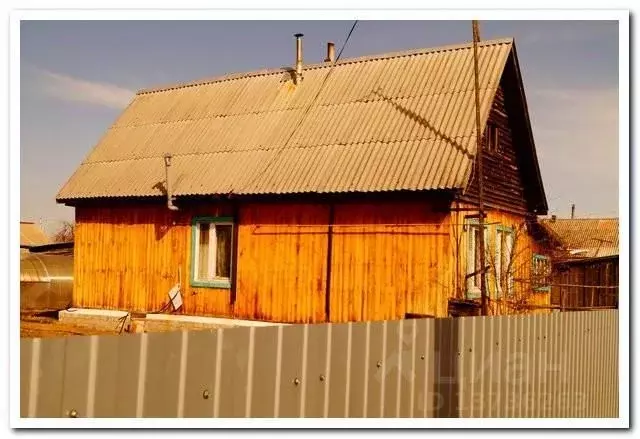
(340, 191)
(585, 261)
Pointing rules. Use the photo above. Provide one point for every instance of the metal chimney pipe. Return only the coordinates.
(331, 52)
(170, 198)
(298, 77)
(573, 210)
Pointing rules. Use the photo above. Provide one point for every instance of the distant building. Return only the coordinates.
(334, 192)
(585, 261)
(32, 235)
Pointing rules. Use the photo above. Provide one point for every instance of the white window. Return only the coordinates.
(212, 252)
(473, 257)
(504, 261)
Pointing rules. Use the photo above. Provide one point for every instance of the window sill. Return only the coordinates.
(225, 284)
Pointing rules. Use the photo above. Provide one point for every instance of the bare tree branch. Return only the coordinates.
(65, 233)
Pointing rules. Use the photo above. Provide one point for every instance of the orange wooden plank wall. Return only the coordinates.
(383, 271)
(282, 254)
(128, 258)
(387, 259)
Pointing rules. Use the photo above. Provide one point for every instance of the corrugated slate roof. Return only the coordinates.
(586, 237)
(31, 235)
(402, 121)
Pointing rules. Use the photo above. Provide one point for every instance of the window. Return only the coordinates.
(211, 252)
(473, 257)
(503, 261)
(492, 138)
(541, 273)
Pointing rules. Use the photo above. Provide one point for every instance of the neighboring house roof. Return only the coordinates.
(31, 235)
(585, 237)
(401, 121)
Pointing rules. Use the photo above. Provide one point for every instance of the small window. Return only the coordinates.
(212, 240)
(492, 138)
(541, 273)
(504, 263)
(473, 257)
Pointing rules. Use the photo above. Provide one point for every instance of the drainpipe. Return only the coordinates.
(170, 197)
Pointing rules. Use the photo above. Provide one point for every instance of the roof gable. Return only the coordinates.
(392, 122)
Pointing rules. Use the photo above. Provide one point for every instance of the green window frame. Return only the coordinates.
(216, 239)
(540, 262)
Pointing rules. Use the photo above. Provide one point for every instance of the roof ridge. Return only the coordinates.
(280, 70)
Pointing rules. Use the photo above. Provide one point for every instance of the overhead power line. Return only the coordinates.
(311, 104)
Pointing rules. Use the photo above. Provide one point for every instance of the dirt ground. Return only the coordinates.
(32, 326)
(42, 326)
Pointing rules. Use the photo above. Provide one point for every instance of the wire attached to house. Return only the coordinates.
(528, 281)
(306, 112)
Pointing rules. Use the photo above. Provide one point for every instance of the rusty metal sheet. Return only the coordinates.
(199, 389)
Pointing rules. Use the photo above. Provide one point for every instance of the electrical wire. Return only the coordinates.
(528, 281)
(306, 112)
(373, 225)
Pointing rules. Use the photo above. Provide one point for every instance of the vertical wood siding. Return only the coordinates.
(603, 272)
(130, 257)
(282, 262)
(388, 259)
(381, 270)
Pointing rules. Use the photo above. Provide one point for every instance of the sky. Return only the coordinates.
(76, 77)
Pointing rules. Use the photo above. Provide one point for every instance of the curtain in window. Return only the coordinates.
(223, 251)
(203, 250)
